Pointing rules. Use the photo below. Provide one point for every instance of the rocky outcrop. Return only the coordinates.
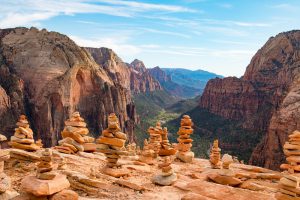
(47, 76)
(265, 98)
(134, 77)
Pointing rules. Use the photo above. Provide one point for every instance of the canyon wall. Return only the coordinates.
(265, 98)
(47, 76)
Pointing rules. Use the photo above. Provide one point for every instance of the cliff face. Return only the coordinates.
(134, 77)
(265, 98)
(47, 76)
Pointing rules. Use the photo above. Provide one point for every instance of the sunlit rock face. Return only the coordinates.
(265, 98)
(47, 76)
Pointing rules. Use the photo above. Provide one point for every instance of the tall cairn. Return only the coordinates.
(215, 155)
(185, 142)
(155, 138)
(112, 144)
(291, 150)
(75, 136)
(166, 149)
(23, 136)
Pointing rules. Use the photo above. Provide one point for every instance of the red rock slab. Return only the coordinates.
(222, 192)
(37, 187)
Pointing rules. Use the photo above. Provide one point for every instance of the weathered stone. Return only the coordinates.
(224, 180)
(65, 195)
(38, 187)
(164, 180)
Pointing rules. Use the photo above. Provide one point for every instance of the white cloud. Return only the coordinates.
(24, 13)
(166, 32)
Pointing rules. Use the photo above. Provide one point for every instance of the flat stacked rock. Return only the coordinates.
(111, 143)
(155, 138)
(215, 156)
(147, 155)
(75, 136)
(23, 136)
(288, 188)
(45, 166)
(166, 148)
(167, 176)
(185, 142)
(292, 151)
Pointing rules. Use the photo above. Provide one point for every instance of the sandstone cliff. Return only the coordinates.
(265, 98)
(47, 76)
(134, 77)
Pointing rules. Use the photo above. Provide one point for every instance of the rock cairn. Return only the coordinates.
(166, 148)
(5, 182)
(226, 161)
(167, 175)
(215, 155)
(185, 142)
(45, 166)
(111, 143)
(23, 136)
(75, 136)
(147, 154)
(288, 188)
(291, 150)
(131, 148)
(46, 183)
(155, 138)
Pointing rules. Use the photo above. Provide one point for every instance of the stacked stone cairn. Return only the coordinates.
(155, 138)
(5, 182)
(75, 136)
(291, 150)
(226, 161)
(166, 148)
(46, 183)
(45, 166)
(288, 188)
(131, 148)
(23, 136)
(185, 142)
(215, 155)
(147, 154)
(167, 176)
(111, 143)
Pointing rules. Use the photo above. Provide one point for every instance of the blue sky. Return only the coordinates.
(217, 36)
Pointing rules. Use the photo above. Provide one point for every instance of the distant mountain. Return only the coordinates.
(182, 83)
(192, 78)
(173, 88)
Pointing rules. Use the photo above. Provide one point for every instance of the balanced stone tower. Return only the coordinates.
(45, 166)
(155, 138)
(147, 154)
(23, 136)
(166, 148)
(46, 183)
(5, 181)
(288, 188)
(75, 136)
(167, 175)
(215, 155)
(111, 143)
(291, 150)
(185, 142)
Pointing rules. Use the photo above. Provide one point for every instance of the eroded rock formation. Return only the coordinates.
(265, 99)
(47, 76)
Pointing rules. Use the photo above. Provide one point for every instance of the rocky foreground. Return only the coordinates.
(83, 171)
